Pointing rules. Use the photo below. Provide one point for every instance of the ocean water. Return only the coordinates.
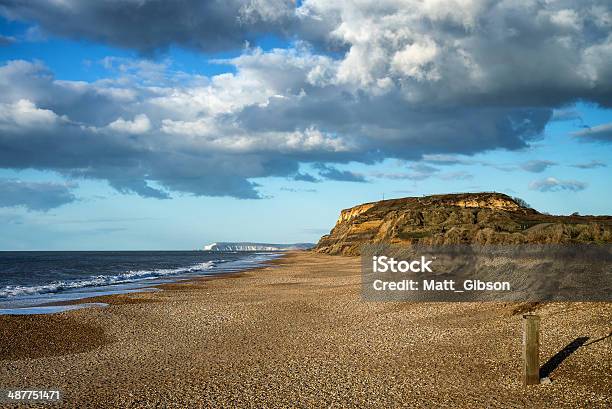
(29, 280)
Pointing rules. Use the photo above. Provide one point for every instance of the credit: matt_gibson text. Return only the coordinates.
(384, 264)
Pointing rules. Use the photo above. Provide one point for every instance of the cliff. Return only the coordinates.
(484, 218)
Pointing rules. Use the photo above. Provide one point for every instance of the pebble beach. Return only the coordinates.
(296, 333)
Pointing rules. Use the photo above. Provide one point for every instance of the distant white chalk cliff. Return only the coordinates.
(244, 246)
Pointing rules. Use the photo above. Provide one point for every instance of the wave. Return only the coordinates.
(101, 280)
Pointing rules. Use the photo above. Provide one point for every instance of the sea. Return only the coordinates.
(38, 282)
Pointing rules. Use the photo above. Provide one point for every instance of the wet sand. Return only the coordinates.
(296, 334)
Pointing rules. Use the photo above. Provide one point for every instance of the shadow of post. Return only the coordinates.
(599, 339)
(560, 356)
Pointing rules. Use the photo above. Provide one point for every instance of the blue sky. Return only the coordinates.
(127, 139)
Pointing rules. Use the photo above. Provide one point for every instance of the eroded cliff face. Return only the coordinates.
(484, 218)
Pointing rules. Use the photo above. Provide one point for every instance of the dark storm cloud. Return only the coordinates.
(427, 82)
(388, 126)
(305, 177)
(130, 166)
(150, 25)
(39, 196)
(528, 53)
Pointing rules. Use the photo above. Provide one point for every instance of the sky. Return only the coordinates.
(142, 124)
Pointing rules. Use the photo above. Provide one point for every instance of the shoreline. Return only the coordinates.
(110, 295)
(43, 324)
(296, 332)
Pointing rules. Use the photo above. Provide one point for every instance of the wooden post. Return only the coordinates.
(531, 349)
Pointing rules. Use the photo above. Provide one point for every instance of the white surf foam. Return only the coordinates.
(101, 280)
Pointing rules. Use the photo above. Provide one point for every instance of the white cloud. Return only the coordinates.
(402, 79)
(312, 139)
(414, 59)
(207, 134)
(460, 45)
(552, 184)
(25, 114)
(566, 18)
(601, 133)
(139, 125)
